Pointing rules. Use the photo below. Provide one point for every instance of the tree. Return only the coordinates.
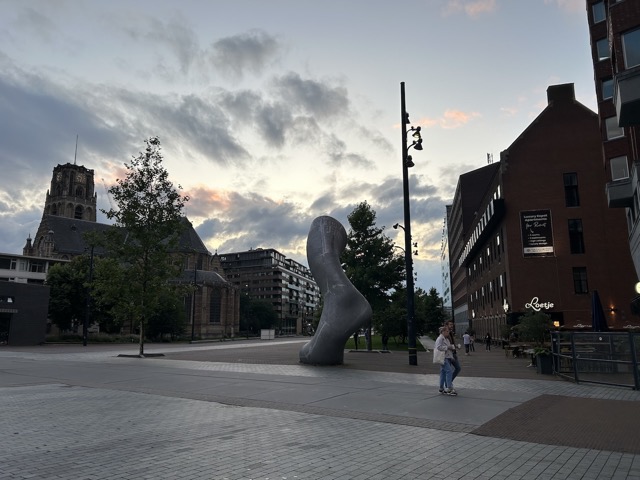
(256, 314)
(370, 262)
(533, 327)
(68, 294)
(429, 311)
(170, 319)
(149, 224)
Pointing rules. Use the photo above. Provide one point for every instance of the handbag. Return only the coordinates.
(438, 356)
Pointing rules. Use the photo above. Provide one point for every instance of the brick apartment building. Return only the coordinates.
(614, 29)
(533, 231)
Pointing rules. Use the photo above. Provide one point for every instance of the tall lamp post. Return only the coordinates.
(407, 163)
(87, 315)
(193, 296)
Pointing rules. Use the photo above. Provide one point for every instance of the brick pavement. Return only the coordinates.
(84, 413)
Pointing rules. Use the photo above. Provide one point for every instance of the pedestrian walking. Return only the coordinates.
(487, 342)
(355, 338)
(472, 345)
(456, 363)
(466, 339)
(446, 369)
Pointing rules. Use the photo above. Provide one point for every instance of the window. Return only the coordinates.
(631, 48)
(613, 130)
(580, 280)
(215, 306)
(619, 168)
(607, 89)
(571, 197)
(602, 47)
(599, 12)
(576, 239)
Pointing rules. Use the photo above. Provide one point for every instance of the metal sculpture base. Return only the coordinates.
(345, 310)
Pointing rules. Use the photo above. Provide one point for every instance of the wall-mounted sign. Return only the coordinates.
(536, 305)
(537, 233)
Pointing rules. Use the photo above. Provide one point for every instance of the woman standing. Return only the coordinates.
(487, 342)
(446, 370)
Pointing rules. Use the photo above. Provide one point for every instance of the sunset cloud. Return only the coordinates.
(450, 119)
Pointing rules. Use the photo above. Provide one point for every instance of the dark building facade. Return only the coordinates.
(23, 313)
(533, 231)
(266, 274)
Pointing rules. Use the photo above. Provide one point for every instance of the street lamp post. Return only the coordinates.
(193, 296)
(407, 162)
(85, 324)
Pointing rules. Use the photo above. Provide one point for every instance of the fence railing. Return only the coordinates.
(606, 358)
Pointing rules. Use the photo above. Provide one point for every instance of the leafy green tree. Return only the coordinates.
(392, 318)
(370, 261)
(149, 224)
(68, 293)
(256, 314)
(534, 327)
(429, 311)
(170, 319)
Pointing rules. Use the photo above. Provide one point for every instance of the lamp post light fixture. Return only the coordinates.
(407, 162)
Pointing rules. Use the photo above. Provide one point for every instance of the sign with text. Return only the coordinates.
(537, 233)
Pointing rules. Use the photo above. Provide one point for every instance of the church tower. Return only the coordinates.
(72, 193)
(71, 196)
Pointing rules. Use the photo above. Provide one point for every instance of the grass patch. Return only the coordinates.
(376, 344)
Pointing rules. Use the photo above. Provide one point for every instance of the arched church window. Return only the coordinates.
(79, 191)
(78, 213)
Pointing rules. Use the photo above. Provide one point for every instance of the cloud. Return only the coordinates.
(248, 52)
(450, 119)
(471, 8)
(175, 35)
(311, 97)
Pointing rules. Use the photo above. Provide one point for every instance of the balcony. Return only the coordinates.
(620, 193)
(627, 97)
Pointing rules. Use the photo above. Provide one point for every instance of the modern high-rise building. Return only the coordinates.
(533, 231)
(266, 274)
(614, 29)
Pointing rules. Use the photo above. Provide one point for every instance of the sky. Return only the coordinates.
(274, 112)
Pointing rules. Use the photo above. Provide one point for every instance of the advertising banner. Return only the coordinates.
(537, 233)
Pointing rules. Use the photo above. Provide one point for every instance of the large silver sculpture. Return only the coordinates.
(345, 310)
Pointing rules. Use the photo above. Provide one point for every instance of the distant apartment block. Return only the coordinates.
(266, 274)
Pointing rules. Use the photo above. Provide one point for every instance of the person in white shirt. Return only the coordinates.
(466, 339)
